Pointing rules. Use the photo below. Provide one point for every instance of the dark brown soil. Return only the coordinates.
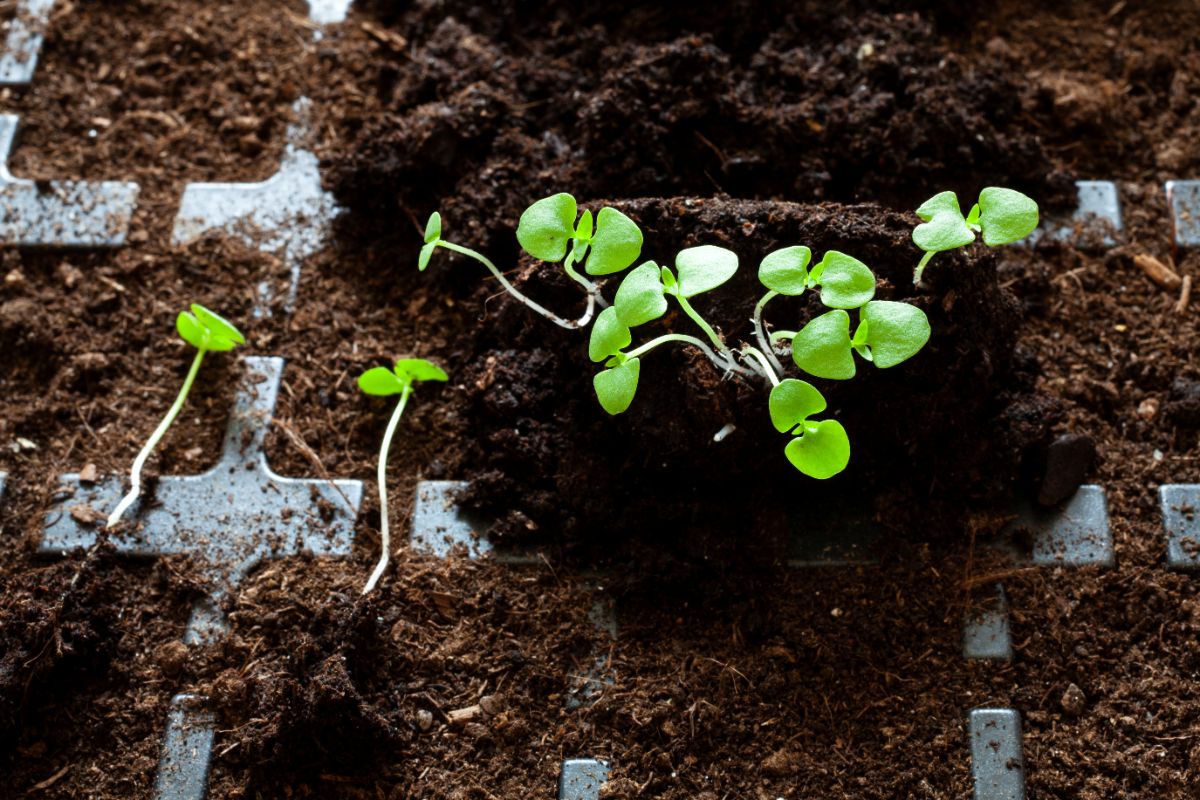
(553, 465)
(734, 676)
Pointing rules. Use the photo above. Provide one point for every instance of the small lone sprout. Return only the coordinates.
(384, 382)
(205, 331)
(1003, 216)
(888, 332)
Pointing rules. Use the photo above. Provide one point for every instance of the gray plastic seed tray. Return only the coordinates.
(231, 518)
(60, 213)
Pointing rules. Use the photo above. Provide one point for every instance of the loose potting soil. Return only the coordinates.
(745, 125)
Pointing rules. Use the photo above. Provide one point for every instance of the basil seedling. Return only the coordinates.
(384, 382)
(1003, 216)
(205, 331)
(887, 333)
(552, 230)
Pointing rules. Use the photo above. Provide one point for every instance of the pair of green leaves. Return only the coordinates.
(642, 298)
(1003, 216)
(433, 235)
(844, 281)
(888, 333)
(206, 330)
(382, 382)
(548, 227)
(821, 448)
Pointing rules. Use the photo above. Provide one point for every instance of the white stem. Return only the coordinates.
(762, 359)
(722, 363)
(381, 475)
(135, 474)
(781, 335)
(760, 332)
(592, 289)
(512, 290)
(920, 270)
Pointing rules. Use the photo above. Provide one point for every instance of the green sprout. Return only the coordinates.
(205, 331)
(822, 449)
(641, 298)
(887, 333)
(1003, 216)
(384, 382)
(553, 231)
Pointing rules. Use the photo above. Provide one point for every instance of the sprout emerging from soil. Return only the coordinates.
(1003, 216)
(549, 231)
(887, 333)
(384, 382)
(205, 331)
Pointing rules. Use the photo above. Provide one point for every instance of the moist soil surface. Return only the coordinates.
(748, 125)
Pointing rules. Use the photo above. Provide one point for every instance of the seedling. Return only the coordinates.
(384, 382)
(205, 331)
(549, 231)
(888, 333)
(1003, 216)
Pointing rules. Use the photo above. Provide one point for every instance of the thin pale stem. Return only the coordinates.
(719, 361)
(761, 357)
(760, 332)
(512, 290)
(135, 474)
(779, 336)
(591, 288)
(385, 543)
(704, 326)
(921, 267)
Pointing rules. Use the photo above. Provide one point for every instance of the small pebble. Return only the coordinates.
(171, 657)
(424, 719)
(1073, 701)
(780, 764)
(85, 515)
(473, 730)
(492, 704)
(1148, 409)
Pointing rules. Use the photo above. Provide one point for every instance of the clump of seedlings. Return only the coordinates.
(887, 333)
(205, 331)
(384, 382)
